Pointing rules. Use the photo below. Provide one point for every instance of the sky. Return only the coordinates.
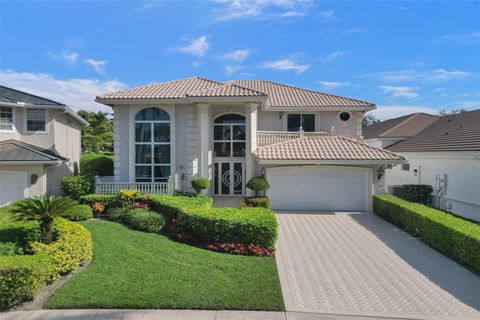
(404, 56)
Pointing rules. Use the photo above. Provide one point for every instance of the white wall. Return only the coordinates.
(37, 189)
(463, 177)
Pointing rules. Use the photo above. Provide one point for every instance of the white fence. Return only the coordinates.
(265, 138)
(144, 187)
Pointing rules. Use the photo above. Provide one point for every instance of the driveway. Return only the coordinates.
(359, 264)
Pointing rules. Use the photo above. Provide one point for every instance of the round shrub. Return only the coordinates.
(199, 184)
(76, 186)
(145, 220)
(257, 202)
(93, 164)
(80, 213)
(258, 184)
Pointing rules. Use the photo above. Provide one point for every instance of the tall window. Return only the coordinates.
(6, 119)
(306, 121)
(152, 145)
(37, 120)
(229, 136)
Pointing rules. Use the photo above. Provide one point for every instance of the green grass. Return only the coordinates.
(132, 269)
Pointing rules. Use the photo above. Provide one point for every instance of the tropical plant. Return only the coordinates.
(199, 184)
(44, 209)
(98, 136)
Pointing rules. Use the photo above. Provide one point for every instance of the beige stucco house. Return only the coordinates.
(39, 143)
(308, 144)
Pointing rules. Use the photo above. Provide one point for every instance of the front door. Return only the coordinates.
(229, 178)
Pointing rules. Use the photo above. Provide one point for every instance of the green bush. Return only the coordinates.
(139, 219)
(455, 237)
(199, 184)
(196, 217)
(258, 202)
(10, 249)
(80, 213)
(110, 201)
(93, 164)
(258, 184)
(420, 193)
(21, 233)
(76, 186)
(21, 277)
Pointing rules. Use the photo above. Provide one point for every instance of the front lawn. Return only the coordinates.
(133, 269)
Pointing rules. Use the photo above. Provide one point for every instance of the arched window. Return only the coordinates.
(229, 136)
(152, 145)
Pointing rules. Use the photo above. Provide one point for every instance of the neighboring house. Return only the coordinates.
(443, 152)
(308, 144)
(39, 143)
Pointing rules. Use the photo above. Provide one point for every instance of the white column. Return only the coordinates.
(203, 128)
(251, 127)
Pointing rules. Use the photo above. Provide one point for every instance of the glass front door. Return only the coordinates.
(229, 178)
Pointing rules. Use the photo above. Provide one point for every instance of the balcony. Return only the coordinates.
(265, 138)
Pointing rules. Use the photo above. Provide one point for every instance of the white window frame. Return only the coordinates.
(231, 140)
(25, 122)
(14, 118)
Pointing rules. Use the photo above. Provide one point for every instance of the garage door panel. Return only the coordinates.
(318, 188)
(12, 186)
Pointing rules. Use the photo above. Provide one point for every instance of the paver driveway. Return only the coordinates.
(359, 264)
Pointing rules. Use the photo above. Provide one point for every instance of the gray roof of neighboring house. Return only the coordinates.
(277, 95)
(401, 127)
(459, 132)
(17, 151)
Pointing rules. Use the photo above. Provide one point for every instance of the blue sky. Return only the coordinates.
(404, 56)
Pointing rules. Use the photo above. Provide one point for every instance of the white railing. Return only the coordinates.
(144, 187)
(265, 138)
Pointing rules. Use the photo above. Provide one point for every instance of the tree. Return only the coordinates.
(44, 209)
(369, 119)
(443, 112)
(98, 136)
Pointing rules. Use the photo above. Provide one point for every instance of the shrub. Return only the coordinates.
(421, 193)
(79, 213)
(238, 248)
(455, 237)
(21, 233)
(98, 208)
(199, 184)
(110, 201)
(72, 246)
(258, 184)
(76, 186)
(21, 277)
(10, 249)
(93, 164)
(257, 202)
(196, 217)
(128, 197)
(139, 219)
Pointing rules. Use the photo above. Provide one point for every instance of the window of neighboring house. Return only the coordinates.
(152, 145)
(229, 136)
(6, 119)
(405, 166)
(306, 121)
(36, 120)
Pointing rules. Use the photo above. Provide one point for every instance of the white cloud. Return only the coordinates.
(402, 8)
(286, 64)
(400, 92)
(65, 56)
(437, 75)
(333, 84)
(197, 47)
(469, 104)
(334, 56)
(232, 69)
(395, 111)
(237, 55)
(97, 65)
(76, 93)
(261, 9)
(145, 6)
(444, 75)
(462, 38)
(327, 15)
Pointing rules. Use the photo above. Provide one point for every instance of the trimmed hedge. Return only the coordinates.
(140, 219)
(80, 213)
(93, 164)
(76, 186)
(420, 193)
(257, 202)
(196, 217)
(21, 233)
(455, 237)
(110, 201)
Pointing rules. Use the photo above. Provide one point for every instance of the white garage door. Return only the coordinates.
(319, 188)
(12, 186)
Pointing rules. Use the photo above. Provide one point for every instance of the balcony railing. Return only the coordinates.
(265, 138)
(144, 187)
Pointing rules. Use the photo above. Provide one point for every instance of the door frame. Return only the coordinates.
(230, 161)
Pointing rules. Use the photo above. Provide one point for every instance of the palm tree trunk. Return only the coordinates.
(47, 230)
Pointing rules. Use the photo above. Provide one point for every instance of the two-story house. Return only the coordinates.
(308, 144)
(39, 144)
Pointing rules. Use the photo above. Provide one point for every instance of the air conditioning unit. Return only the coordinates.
(395, 190)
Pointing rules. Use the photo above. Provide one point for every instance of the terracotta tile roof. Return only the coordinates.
(406, 126)
(281, 95)
(175, 89)
(460, 132)
(324, 148)
(227, 90)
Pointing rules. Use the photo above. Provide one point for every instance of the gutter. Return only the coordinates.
(20, 162)
(319, 162)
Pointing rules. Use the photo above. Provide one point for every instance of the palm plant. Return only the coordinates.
(43, 209)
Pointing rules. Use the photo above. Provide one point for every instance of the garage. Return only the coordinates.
(319, 188)
(13, 186)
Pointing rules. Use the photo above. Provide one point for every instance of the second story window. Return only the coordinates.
(306, 121)
(36, 120)
(6, 119)
(229, 136)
